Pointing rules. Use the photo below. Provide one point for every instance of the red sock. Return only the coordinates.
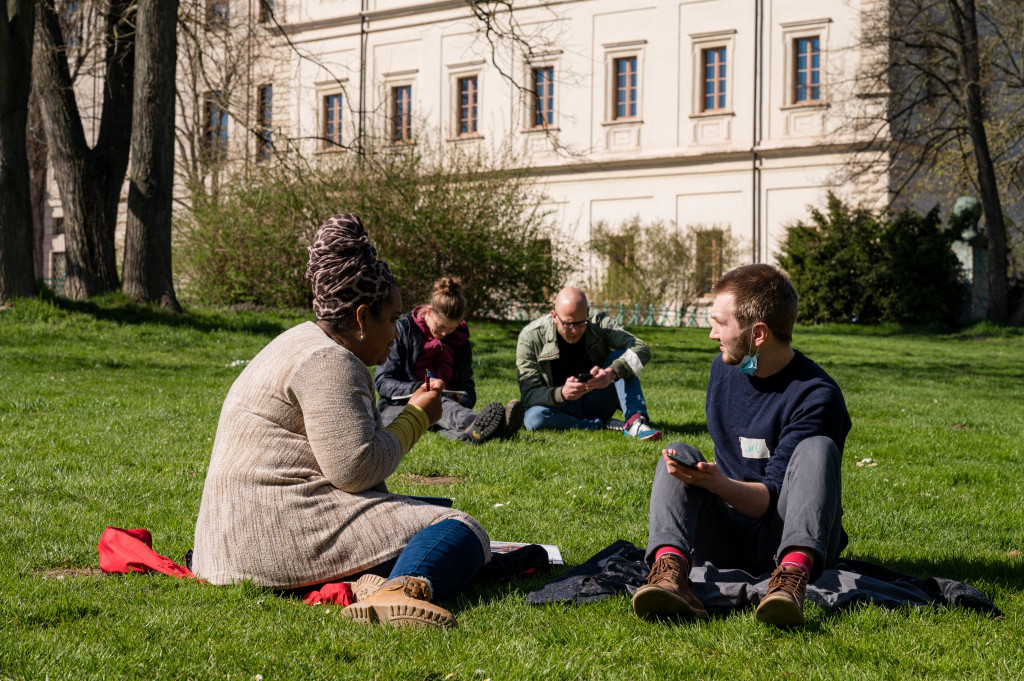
(802, 560)
(662, 550)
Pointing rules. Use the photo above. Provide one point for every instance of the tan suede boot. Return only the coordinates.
(366, 586)
(401, 602)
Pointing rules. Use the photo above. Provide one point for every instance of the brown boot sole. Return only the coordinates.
(399, 615)
(780, 612)
(653, 602)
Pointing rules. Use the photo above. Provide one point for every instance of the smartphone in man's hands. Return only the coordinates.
(678, 458)
(583, 378)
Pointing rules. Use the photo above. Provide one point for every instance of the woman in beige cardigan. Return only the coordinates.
(295, 492)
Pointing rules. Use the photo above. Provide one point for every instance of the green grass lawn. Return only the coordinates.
(107, 417)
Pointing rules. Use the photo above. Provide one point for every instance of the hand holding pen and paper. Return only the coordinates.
(428, 397)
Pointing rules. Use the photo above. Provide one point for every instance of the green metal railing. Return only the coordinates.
(55, 284)
(624, 313)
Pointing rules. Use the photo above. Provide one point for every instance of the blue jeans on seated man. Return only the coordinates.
(590, 411)
(447, 554)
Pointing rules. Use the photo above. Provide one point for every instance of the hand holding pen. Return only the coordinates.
(428, 397)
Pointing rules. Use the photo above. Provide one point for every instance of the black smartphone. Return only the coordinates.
(583, 378)
(680, 460)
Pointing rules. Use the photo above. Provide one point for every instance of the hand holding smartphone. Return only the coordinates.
(675, 456)
(583, 378)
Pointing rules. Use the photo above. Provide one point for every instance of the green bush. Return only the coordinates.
(658, 264)
(850, 264)
(246, 244)
(430, 211)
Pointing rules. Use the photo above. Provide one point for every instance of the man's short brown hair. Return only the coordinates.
(761, 293)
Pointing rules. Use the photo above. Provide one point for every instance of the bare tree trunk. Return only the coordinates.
(16, 272)
(89, 179)
(147, 247)
(966, 26)
(37, 181)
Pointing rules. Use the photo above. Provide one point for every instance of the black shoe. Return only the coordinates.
(488, 424)
(513, 419)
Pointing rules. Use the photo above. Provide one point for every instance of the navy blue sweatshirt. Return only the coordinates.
(756, 423)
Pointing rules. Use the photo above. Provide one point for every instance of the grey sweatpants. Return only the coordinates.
(705, 528)
(454, 417)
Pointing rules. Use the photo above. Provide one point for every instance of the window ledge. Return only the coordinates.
(623, 121)
(808, 105)
(723, 113)
(540, 129)
(466, 138)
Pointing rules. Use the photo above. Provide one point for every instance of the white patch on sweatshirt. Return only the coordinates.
(754, 449)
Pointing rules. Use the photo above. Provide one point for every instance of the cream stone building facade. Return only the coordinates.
(724, 114)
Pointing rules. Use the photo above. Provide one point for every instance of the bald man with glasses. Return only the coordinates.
(577, 367)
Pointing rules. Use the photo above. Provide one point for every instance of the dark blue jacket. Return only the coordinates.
(395, 377)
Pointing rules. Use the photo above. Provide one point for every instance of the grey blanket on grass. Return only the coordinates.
(621, 568)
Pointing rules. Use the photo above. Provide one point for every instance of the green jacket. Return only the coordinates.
(538, 347)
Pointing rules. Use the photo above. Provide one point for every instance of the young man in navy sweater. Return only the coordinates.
(771, 499)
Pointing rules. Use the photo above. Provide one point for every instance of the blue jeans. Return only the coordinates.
(447, 554)
(590, 411)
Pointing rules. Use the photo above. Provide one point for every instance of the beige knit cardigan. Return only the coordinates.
(295, 491)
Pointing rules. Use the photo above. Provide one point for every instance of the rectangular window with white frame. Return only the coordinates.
(626, 88)
(805, 44)
(468, 88)
(710, 245)
(543, 95)
(807, 70)
(712, 71)
(265, 117)
(714, 80)
(332, 110)
(401, 113)
(215, 128)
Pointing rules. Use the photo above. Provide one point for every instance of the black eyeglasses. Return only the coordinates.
(572, 325)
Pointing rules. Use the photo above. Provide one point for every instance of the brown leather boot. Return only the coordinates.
(783, 605)
(667, 592)
(401, 602)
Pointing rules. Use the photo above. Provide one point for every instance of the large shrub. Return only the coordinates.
(658, 264)
(430, 211)
(850, 264)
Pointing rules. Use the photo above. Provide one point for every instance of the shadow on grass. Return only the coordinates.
(914, 371)
(486, 591)
(978, 331)
(972, 570)
(119, 309)
(671, 430)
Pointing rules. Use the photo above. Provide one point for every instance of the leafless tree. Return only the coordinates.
(147, 248)
(227, 59)
(942, 105)
(16, 268)
(89, 177)
(37, 178)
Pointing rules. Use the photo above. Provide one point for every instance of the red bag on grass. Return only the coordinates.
(124, 551)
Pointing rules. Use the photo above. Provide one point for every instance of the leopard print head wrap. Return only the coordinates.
(344, 270)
